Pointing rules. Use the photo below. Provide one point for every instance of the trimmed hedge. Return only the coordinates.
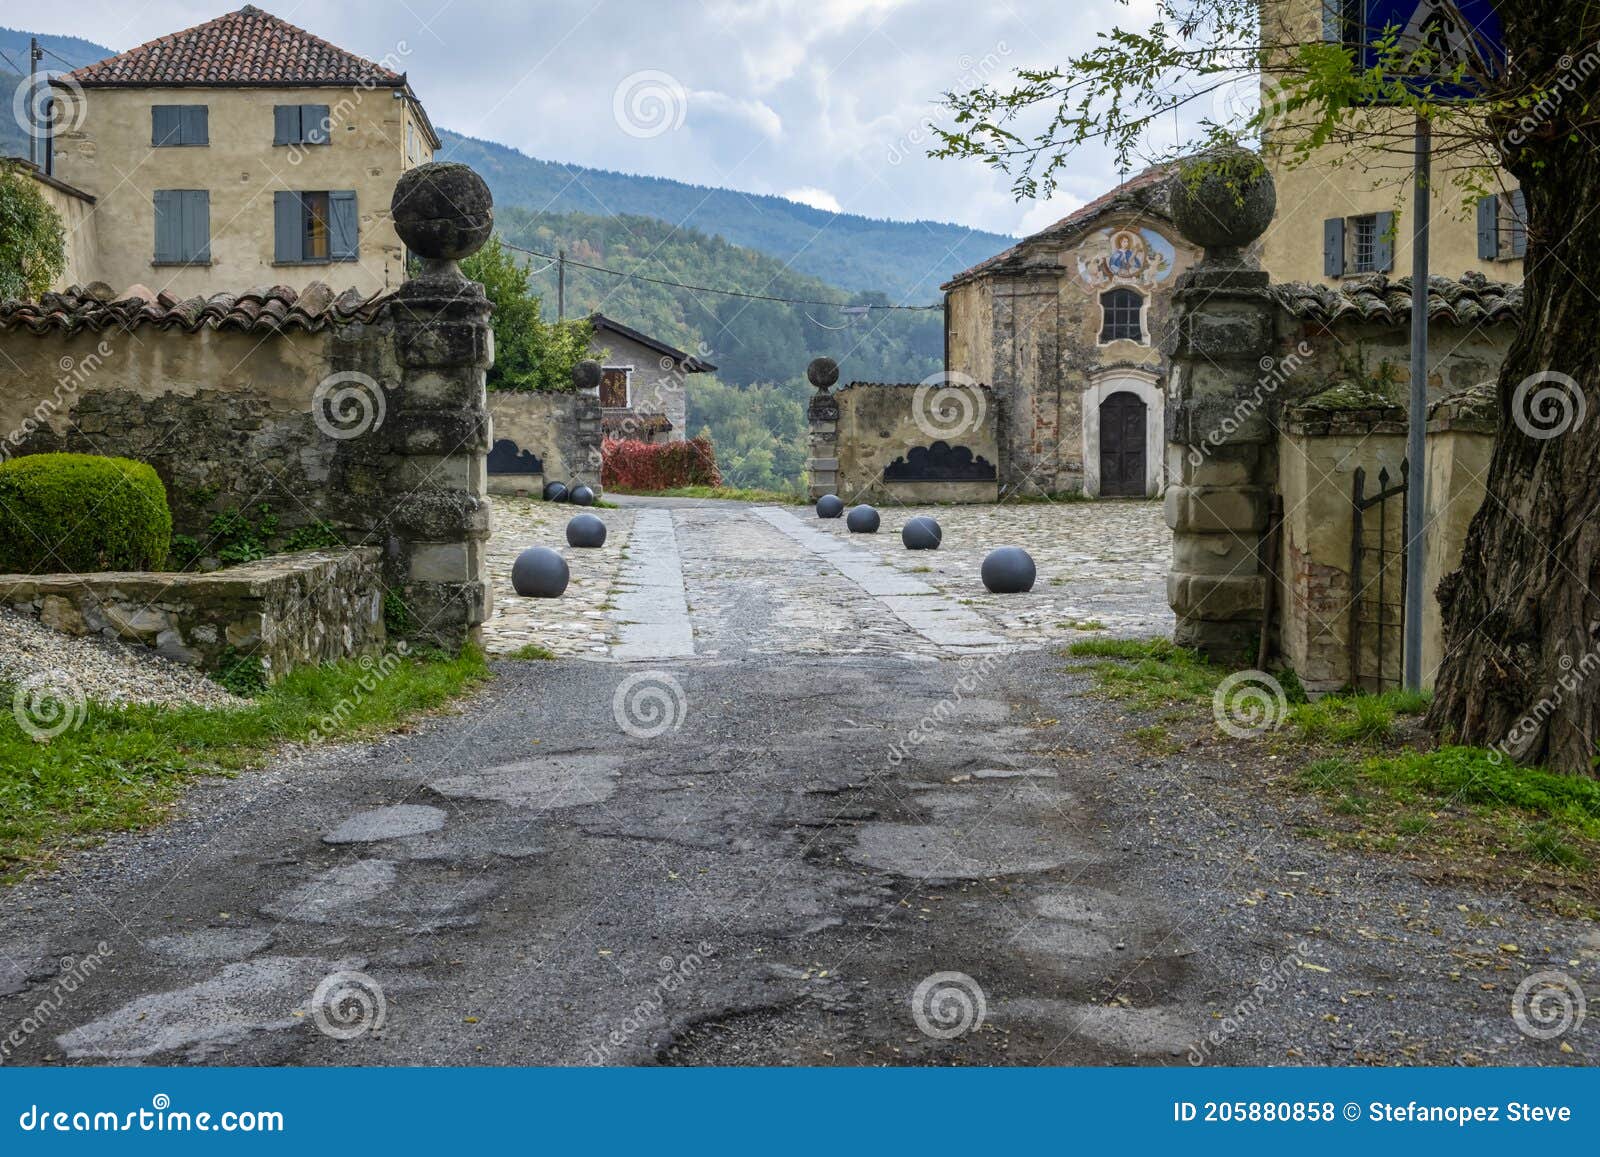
(626, 464)
(78, 513)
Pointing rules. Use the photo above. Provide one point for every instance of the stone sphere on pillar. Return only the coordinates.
(830, 506)
(921, 533)
(1223, 200)
(862, 520)
(581, 496)
(1009, 570)
(442, 211)
(540, 573)
(586, 375)
(823, 373)
(587, 531)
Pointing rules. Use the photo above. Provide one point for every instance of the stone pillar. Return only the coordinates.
(822, 463)
(1220, 451)
(437, 513)
(1461, 430)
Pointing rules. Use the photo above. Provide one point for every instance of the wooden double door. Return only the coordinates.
(1122, 445)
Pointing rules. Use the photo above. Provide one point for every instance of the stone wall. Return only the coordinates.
(557, 433)
(284, 611)
(905, 443)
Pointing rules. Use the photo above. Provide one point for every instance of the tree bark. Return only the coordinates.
(1521, 616)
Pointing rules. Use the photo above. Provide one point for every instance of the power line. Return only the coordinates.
(707, 288)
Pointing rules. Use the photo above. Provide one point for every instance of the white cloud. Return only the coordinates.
(816, 198)
(756, 113)
(1043, 214)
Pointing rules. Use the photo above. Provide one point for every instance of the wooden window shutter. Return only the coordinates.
(168, 217)
(1489, 227)
(286, 124)
(1333, 247)
(1383, 242)
(287, 227)
(194, 229)
(314, 124)
(343, 225)
(614, 388)
(194, 124)
(164, 125)
(1519, 224)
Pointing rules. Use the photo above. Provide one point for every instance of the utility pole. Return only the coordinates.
(1417, 420)
(35, 55)
(561, 285)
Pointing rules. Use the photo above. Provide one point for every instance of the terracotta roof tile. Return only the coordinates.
(277, 309)
(1140, 192)
(1471, 301)
(247, 47)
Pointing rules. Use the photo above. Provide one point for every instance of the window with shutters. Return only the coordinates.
(1363, 234)
(315, 226)
(1122, 314)
(1360, 244)
(183, 227)
(177, 125)
(615, 383)
(301, 124)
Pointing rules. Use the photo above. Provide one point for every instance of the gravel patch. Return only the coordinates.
(91, 668)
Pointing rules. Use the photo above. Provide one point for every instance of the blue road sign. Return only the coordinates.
(1457, 32)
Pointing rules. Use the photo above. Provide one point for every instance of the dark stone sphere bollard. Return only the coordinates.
(862, 520)
(581, 496)
(921, 533)
(540, 573)
(1009, 570)
(587, 531)
(555, 491)
(830, 506)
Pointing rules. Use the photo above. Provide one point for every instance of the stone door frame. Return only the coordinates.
(1144, 384)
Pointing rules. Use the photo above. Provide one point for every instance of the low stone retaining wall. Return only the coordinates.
(543, 437)
(286, 611)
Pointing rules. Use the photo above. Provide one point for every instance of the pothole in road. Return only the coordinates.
(933, 852)
(558, 782)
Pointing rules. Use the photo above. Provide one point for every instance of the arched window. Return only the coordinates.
(1123, 313)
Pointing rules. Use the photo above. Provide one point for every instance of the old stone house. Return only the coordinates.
(264, 155)
(642, 382)
(1065, 327)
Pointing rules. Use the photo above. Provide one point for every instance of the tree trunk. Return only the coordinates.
(1521, 617)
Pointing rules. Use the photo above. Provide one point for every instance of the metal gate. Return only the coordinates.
(1377, 579)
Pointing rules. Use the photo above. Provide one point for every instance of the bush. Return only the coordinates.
(78, 513)
(626, 464)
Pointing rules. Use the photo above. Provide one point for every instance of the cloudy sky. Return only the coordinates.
(824, 101)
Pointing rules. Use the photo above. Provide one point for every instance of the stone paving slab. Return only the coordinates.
(652, 610)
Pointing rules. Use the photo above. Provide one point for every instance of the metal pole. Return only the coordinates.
(1416, 442)
(34, 56)
(561, 285)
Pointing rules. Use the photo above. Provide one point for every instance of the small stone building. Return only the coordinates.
(642, 381)
(1066, 327)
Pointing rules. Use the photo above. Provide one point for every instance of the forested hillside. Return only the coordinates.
(905, 259)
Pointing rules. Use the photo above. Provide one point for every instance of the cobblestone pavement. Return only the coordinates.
(721, 579)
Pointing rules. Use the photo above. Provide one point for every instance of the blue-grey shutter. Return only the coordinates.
(287, 227)
(195, 225)
(342, 225)
(1333, 21)
(1489, 227)
(194, 124)
(286, 124)
(1383, 242)
(168, 222)
(1333, 247)
(1519, 227)
(165, 126)
(314, 124)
